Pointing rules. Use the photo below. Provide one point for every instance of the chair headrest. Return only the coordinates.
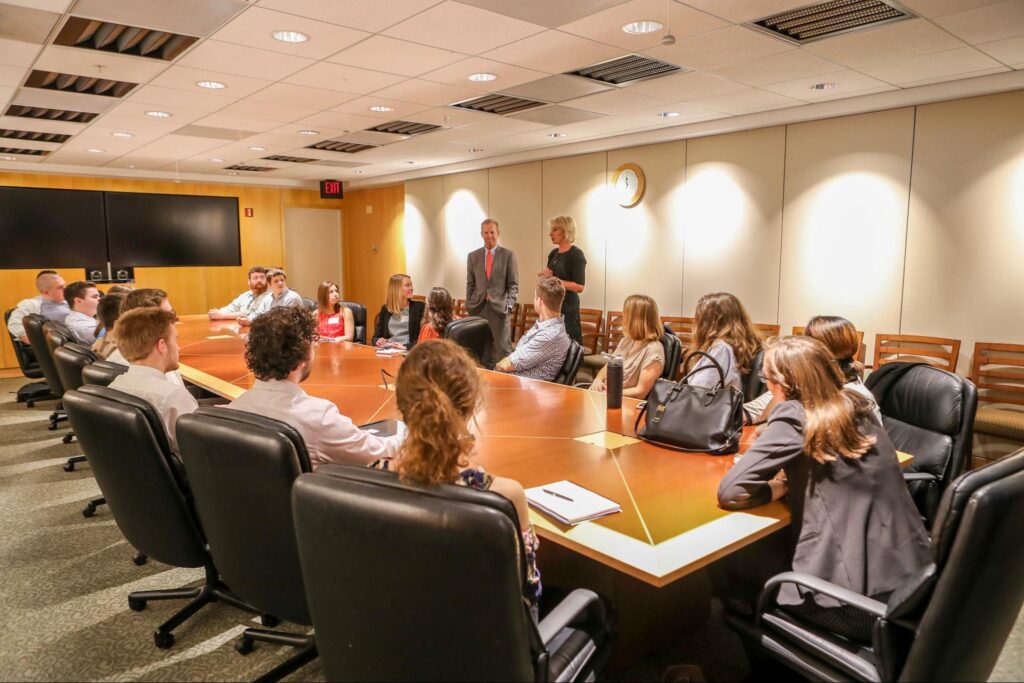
(240, 422)
(923, 395)
(134, 402)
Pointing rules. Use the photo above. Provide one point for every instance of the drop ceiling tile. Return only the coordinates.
(395, 56)
(555, 115)
(55, 99)
(241, 123)
(18, 52)
(685, 86)
(348, 79)
(76, 158)
(557, 88)
(957, 77)
(458, 27)
(70, 60)
(720, 48)
(450, 116)
(1009, 51)
(190, 17)
(503, 125)
(185, 78)
(100, 134)
(892, 41)
(136, 111)
(222, 134)
(137, 123)
(178, 146)
(986, 24)
(6, 93)
(21, 159)
(269, 112)
(544, 12)
(25, 23)
(613, 102)
(254, 27)
(938, 8)
(58, 6)
(777, 68)
(606, 26)
(137, 163)
(195, 99)
(688, 113)
(288, 134)
(742, 11)
(11, 76)
(41, 125)
(301, 96)
(30, 144)
(849, 83)
(335, 120)
(368, 16)
(361, 106)
(426, 92)
(229, 58)
(747, 102)
(508, 76)
(554, 52)
(935, 65)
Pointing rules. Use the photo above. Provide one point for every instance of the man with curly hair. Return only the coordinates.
(280, 351)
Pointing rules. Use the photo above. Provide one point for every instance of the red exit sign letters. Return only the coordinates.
(331, 189)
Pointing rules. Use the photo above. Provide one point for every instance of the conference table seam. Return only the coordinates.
(629, 492)
(382, 405)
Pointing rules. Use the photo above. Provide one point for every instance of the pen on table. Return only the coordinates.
(558, 495)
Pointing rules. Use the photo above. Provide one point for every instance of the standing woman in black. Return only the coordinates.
(567, 262)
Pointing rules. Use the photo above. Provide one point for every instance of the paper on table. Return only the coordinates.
(569, 503)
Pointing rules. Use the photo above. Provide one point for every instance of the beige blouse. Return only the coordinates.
(637, 355)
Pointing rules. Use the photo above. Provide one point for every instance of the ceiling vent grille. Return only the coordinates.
(499, 104)
(338, 146)
(24, 152)
(106, 36)
(292, 160)
(50, 114)
(627, 69)
(404, 128)
(828, 19)
(87, 85)
(33, 136)
(246, 167)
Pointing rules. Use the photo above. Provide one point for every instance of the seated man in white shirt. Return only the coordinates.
(51, 287)
(280, 351)
(147, 338)
(83, 298)
(247, 302)
(279, 296)
(541, 352)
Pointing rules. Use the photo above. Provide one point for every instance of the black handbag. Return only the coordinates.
(693, 418)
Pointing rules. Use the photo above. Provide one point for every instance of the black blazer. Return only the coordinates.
(380, 326)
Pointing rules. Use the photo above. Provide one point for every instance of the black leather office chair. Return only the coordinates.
(309, 304)
(929, 413)
(359, 318)
(573, 359)
(452, 558)
(241, 468)
(673, 353)
(753, 385)
(472, 333)
(144, 485)
(33, 391)
(34, 331)
(71, 360)
(102, 372)
(947, 623)
(57, 335)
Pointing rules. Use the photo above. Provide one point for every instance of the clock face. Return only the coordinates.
(629, 185)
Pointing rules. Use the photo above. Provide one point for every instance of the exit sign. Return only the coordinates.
(331, 189)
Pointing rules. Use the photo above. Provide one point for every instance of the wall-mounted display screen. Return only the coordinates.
(41, 228)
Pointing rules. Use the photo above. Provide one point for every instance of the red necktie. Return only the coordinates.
(490, 260)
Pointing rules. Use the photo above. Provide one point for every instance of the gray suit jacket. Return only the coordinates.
(500, 292)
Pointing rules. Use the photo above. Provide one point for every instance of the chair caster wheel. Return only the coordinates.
(244, 646)
(269, 621)
(69, 467)
(30, 404)
(139, 559)
(136, 605)
(163, 640)
(68, 438)
(89, 511)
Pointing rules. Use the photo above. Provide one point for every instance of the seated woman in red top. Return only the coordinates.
(335, 321)
(440, 312)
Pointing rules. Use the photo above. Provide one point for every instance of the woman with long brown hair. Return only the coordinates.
(722, 329)
(440, 312)
(643, 356)
(854, 521)
(334, 321)
(438, 392)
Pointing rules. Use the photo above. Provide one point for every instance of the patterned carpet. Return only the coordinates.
(64, 612)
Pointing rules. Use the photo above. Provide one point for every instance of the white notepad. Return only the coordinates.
(569, 503)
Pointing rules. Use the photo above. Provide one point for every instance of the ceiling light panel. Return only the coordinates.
(340, 146)
(44, 113)
(404, 128)
(498, 104)
(24, 152)
(827, 19)
(34, 136)
(288, 159)
(627, 69)
(186, 17)
(72, 83)
(93, 34)
(289, 36)
(246, 167)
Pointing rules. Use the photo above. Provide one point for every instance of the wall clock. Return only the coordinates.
(629, 184)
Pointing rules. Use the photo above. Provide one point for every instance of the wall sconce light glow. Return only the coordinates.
(158, 114)
(717, 209)
(637, 28)
(462, 216)
(380, 108)
(482, 77)
(290, 36)
(211, 85)
(309, 132)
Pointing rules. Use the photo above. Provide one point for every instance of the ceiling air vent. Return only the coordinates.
(33, 136)
(338, 146)
(50, 114)
(92, 34)
(293, 160)
(404, 128)
(499, 104)
(627, 69)
(87, 85)
(828, 19)
(24, 152)
(245, 167)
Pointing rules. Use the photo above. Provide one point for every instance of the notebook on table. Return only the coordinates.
(570, 503)
(384, 428)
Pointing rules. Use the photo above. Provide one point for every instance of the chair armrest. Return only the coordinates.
(843, 595)
(582, 385)
(580, 606)
(919, 476)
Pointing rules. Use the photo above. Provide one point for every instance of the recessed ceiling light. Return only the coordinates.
(212, 85)
(217, 160)
(475, 149)
(824, 86)
(309, 132)
(131, 165)
(668, 114)
(643, 26)
(258, 148)
(158, 114)
(232, 172)
(556, 135)
(8, 158)
(359, 172)
(95, 150)
(122, 134)
(290, 36)
(381, 108)
(482, 77)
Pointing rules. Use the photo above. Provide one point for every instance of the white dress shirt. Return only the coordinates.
(289, 297)
(329, 435)
(83, 326)
(174, 377)
(168, 399)
(245, 303)
(24, 307)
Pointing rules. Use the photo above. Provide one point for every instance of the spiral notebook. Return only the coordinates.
(570, 503)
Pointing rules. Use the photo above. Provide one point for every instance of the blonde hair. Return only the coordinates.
(807, 372)
(394, 302)
(140, 329)
(438, 391)
(840, 337)
(323, 293)
(567, 224)
(640, 319)
(721, 316)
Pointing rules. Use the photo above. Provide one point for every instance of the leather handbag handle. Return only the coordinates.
(721, 373)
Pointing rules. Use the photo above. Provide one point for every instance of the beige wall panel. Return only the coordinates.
(424, 232)
(575, 186)
(465, 206)
(515, 202)
(645, 242)
(733, 219)
(844, 228)
(966, 230)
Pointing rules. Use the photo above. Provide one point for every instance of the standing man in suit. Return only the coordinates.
(492, 285)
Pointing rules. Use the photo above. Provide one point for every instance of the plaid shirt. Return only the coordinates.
(542, 350)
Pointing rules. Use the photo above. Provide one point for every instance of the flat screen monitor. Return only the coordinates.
(42, 228)
(172, 230)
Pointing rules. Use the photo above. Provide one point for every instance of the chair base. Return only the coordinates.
(35, 391)
(56, 417)
(69, 466)
(90, 508)
(306, 654)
